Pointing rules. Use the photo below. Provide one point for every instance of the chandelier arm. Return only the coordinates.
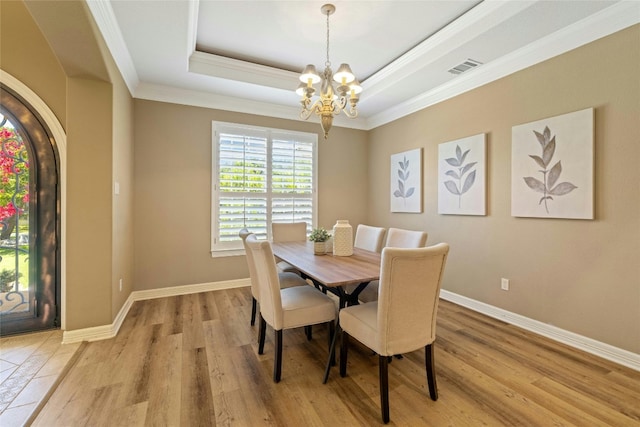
(352, 113)
(310, 109)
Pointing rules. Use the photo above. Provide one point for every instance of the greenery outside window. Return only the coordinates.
(260, 176)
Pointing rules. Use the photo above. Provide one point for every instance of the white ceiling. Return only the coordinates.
(246, 55)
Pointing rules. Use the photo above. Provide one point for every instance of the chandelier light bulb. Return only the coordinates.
(344, 74)
(310, 74)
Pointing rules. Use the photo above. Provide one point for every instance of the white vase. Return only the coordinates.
(319, 248)
(342, 238)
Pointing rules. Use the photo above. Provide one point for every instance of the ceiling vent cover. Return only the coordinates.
(467, 65)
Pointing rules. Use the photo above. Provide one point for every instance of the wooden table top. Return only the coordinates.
(330, 270)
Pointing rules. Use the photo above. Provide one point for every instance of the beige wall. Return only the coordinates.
(582, 276)
(122, 175)
(89, 157)
(173, 190)
(97, 116)
(25, 54)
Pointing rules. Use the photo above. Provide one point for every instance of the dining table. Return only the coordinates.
(331, 273)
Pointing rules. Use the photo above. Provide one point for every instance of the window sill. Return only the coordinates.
(223, 254)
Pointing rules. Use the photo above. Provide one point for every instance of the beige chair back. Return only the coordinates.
(399, 238)
(253, 277)
(289, 232)
(369, 238)
(410, 281)
(268, 282)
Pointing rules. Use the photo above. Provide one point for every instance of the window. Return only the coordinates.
(259, 176)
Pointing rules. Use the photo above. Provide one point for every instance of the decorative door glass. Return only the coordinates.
(17, 291)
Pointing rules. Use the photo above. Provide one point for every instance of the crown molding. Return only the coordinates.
(105, 19)
(613, 19)
(192, 25)
(234, 69)
(608, 21)
(472, 24)
(153, 92)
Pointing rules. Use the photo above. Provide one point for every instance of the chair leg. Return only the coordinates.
(262, 329)
(332, 332)
(277, 363)
(344, 346)
(254, 308)
(431, 371)
(308, 332)
(384, 387)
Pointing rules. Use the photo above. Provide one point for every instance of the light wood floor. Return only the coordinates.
(192, 361)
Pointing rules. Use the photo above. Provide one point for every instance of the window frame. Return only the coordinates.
(218, 127)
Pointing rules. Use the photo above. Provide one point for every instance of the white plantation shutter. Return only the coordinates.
(260, 176)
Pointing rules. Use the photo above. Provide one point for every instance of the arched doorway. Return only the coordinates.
(29, 220)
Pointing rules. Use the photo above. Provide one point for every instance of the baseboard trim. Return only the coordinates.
(189, 289)
(597, 348)
(104, 332)
(606, 351)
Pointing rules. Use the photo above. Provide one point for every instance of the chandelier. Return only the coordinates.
(332, 101)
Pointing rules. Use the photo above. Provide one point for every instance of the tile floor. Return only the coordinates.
(30, 365)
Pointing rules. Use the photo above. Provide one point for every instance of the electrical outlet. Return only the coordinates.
(120, 285)
(504, 284)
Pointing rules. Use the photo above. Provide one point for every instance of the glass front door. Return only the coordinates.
(29, 220)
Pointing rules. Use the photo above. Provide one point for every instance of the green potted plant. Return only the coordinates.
(319, 237)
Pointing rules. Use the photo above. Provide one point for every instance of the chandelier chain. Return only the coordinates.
(328, 63)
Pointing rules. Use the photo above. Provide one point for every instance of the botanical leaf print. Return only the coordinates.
(458, 162)
(547, 187)
(403, 176)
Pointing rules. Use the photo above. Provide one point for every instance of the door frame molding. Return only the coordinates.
(60, 136)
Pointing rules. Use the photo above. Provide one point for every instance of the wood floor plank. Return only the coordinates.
(588, 407)
(192, 360)
(192, 333)
(196, 406)
(576, 371)
(165, 381)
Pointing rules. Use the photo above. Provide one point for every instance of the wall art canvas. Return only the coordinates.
(461, 176)
(552, 167)
(406, 181)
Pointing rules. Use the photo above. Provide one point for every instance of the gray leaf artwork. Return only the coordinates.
(547, 186)
(403, 176)
(552, 167)
(458, 174)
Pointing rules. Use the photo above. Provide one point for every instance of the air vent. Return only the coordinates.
(467, 65)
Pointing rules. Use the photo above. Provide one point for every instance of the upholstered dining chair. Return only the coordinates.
(404, 317)
(285, 308)
(396, 238)
(369, 238)
(288, 232)
(286, 280)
